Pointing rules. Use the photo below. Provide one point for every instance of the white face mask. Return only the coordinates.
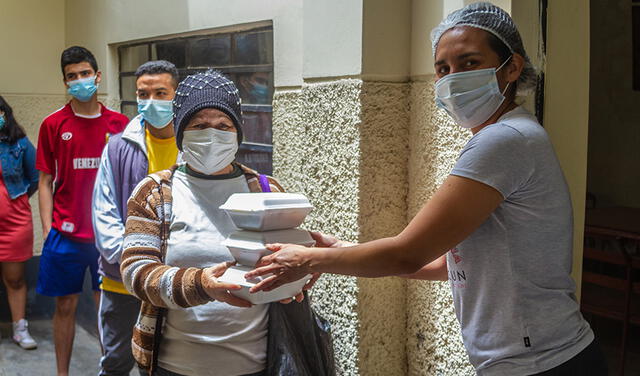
(209, 150)
(470, 98)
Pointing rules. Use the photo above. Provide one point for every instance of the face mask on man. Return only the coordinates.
(209, 150)
(83, 88)
(260, 91)
(471, 97)
(156, 112)
(2, 121)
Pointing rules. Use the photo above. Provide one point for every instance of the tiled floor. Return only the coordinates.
(15, 361)
(86, 351)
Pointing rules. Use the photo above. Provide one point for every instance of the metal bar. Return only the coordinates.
(257, 108)
(251, 146)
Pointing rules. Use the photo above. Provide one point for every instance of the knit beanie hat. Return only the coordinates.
(210, 89)
(496, 21)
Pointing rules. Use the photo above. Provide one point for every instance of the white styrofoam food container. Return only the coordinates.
(235, 274)
(267, 211)
(247, 247)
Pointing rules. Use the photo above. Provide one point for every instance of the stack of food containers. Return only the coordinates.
(264, 218)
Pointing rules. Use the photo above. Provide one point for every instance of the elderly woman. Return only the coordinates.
(500, 226)
(172, 247)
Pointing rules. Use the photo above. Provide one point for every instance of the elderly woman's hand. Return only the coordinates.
(220, 291)
(287, 264)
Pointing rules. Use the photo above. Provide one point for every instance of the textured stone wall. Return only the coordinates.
(434, 344)
(368, 155)
(344, 144)
(315, 152)
(384, 137)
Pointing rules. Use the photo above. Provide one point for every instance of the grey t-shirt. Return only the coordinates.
(510, 278)
(213, 338)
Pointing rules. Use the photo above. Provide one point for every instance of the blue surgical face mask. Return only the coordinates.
(471, 97)
(260, 91)
(83, 89)
(156, 112)
(2, 121)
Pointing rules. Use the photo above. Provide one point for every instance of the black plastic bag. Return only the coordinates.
(299, 341)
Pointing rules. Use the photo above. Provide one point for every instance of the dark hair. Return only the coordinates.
(75, 55)
(159, 67)
(503, 52)
(499, 47)
(12, 131)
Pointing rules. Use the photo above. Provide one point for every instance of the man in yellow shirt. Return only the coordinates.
(147, 145)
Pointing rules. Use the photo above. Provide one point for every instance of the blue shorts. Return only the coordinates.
(63, 263)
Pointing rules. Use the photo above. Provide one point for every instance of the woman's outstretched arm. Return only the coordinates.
(458, 207)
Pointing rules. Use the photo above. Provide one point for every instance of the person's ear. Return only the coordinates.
(98, 77)
(514, 67)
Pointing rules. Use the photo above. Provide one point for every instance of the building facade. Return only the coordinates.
(353, 125)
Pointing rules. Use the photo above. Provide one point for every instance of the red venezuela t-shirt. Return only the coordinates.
(69, 148)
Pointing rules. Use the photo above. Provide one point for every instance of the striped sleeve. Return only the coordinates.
(143, 272)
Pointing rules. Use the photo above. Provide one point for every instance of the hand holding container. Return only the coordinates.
(235, 275)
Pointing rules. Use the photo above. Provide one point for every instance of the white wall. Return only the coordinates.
(386, 38)
(566, 104)
(109, 22)
(32, 38)
(332, 38)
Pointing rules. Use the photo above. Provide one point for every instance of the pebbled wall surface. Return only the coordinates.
(434, 344)
(368, 155)
(343, 143)
(384, 137)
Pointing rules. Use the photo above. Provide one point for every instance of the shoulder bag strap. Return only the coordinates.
(264, 183)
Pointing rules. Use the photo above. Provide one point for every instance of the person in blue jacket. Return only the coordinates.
(18, 181)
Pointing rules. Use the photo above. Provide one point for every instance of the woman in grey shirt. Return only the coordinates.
(500, 226)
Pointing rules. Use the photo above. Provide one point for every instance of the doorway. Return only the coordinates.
(613, 180)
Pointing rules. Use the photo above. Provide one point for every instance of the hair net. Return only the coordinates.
(496, 21)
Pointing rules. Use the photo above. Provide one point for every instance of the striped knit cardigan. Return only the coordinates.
(143, 271)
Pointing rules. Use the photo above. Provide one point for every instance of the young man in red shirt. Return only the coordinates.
(70, 144)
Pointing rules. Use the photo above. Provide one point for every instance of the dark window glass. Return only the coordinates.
(128, 88)
(130, 110)
(132, 57)
(636, 46)
(254, 48)
(259, 161)
(173, 51)
(213, 51)
(255, 87)
(257, 127)
(245, 57)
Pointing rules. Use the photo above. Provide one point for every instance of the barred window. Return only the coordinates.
(244, 56)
